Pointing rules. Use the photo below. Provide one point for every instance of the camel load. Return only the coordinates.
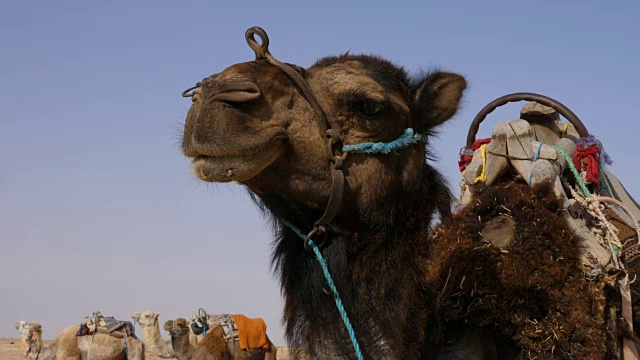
(536, 262)
(545, 239)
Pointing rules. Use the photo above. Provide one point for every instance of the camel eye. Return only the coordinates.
(370, 108)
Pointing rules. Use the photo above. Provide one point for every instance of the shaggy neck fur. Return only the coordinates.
(377, 260)
(154, 342)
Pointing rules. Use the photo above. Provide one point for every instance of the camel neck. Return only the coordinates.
(39, 351)
(154, 340)
(181, 346)
(379, 270)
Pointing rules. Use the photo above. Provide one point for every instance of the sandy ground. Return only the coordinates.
(9, 350)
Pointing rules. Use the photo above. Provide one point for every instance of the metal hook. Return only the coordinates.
(186, 92)
(321, 229)
(261, 50)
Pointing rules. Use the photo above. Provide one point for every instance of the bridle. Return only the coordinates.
(335, 153)
(334, 143)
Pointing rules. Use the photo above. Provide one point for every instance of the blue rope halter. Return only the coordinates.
(406, 139)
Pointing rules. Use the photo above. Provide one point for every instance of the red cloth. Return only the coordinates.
(592, 154)
(466, 159)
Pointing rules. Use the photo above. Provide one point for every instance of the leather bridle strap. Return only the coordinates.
(334, 143)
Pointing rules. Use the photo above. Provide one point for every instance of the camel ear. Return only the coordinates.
(19, 325)
(156, 316)
(136, 316)
(437, 98)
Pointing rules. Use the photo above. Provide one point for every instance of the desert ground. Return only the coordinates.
(9, 350)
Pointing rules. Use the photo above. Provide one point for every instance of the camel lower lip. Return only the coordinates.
(232, 168)
(217, 169)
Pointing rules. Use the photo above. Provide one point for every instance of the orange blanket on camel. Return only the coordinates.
(252, 333)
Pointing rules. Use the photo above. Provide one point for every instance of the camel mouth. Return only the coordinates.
(236, 167)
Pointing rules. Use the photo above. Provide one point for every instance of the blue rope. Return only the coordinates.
(334, 289)
(535, 158)
(408, 138)
(126, 347)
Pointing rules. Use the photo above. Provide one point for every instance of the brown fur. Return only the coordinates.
(534, 292)
(214, 342)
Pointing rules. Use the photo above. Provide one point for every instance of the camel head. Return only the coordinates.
(30, 338)
(146, 319)
(251, 123)
(177, 327)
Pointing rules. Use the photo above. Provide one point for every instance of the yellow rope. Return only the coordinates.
(483, 174)
(564, 132)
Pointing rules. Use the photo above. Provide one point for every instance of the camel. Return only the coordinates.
(31, 344)
(69, 346)
(252, 124)
(235, 350)
(212, 346)
(155, 345)
(336, 155)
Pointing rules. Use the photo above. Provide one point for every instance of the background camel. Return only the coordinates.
(251, 124)
(69, 346)
(212, 346)
(31, 344)
(235, 351)
(155, 344)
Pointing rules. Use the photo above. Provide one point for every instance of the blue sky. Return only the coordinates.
(98, 208)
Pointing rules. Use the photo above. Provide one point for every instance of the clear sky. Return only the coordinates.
(98, 208)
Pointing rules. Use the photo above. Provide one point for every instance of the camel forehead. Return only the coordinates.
(254, 70)
(348, 77)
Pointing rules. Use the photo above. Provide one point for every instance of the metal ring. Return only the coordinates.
(316, 230)
(261, 50)
(186, 92)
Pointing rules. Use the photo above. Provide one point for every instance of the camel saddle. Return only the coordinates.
(97, 323)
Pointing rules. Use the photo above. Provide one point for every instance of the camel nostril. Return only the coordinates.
(234, 90)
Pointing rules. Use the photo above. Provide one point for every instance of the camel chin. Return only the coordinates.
(234, 168)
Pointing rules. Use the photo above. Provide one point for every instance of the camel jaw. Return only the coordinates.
(238, 168)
